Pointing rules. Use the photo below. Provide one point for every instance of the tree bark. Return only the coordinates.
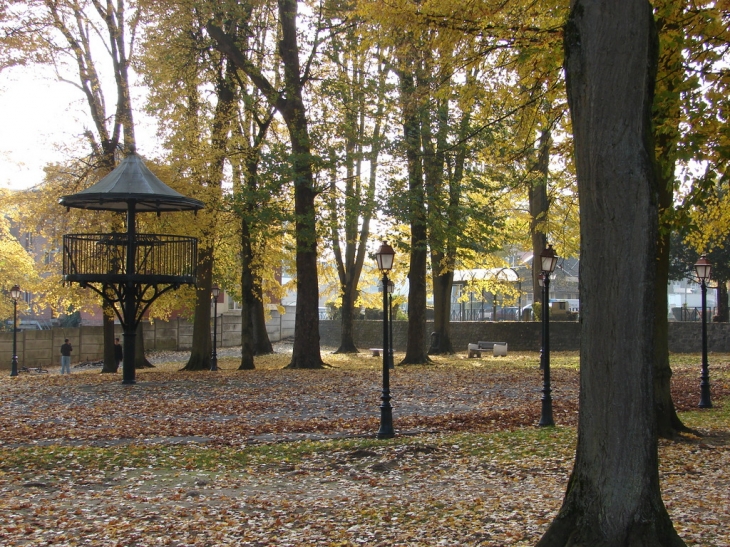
(666, 117)
(613, 497)
(442, 284)
(202, 347)
(108, 315)
(416, 352)
(442, 260)
(723, 312)
(140, 359)
(306, 351)
(347, 318)
(261, 341)
(247, 300)
(539, 205)
(668, 422)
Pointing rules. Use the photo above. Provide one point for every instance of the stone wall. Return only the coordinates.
(520, 336)
(42, 347)
(523, 336)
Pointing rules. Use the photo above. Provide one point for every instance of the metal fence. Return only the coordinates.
(692, 314)
(101, 255)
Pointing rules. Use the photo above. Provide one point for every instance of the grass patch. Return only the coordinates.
(502, 446)
(716, 418)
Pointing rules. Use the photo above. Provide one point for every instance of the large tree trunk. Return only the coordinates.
(613, 497)
(200, 356)
(140, 359)
(306, 351)
(261, 342)
(348, 271)
(416, 351)
(723, 312)
(666, 117)
(442, 265)
(539, 205)
(668, 423)
(442, 283)
(247, 300)
(347, 318)
(108, 315)
(200, 353)
(359, 204)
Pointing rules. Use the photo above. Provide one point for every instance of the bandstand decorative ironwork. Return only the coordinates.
(130, 270)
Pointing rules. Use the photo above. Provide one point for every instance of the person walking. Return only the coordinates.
(66, 350)
(118, 353)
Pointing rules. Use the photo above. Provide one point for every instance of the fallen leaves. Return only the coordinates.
(180, 459)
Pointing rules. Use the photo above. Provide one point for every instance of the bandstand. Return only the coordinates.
(130, 270)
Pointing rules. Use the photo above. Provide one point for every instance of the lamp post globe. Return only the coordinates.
(548, 261)
(214, 292)
(15, 294)
(384, 257)
(703, 269)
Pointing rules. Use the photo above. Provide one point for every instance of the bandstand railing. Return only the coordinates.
(103, 258)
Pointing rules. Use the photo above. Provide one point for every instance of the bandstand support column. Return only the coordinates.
(129, 304)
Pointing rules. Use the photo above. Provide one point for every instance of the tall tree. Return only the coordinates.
(249, 200)
(16, 264)
(416, 352)
(63, 34)
(613, 496)
(666, 121)
(289, 102)
(352, 97)
(194, 92)
(692, 85)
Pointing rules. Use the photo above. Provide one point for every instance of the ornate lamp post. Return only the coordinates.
(548, 260)
(214, 292)
(384, 257)
(15, 293)
(703, 269)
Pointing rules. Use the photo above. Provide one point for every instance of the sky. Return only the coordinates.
(36, 115)
(41, 120)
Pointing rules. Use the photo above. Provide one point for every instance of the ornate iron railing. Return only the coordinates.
(103, 258)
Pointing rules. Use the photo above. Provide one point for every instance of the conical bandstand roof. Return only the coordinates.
(131, 182)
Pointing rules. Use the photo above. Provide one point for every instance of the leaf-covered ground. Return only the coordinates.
(288, 457)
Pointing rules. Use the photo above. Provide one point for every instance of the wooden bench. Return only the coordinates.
(498, 349)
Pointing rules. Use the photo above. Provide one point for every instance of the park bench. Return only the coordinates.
(36, 370)
(498, 349)
(376, 351)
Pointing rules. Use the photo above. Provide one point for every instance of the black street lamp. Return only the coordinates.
(384, 257)
(214, 292)
(703, 269)
(548, 260)
(15, 293)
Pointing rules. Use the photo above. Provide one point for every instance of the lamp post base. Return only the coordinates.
(705, 401)
(386, 430)
(546, 418)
